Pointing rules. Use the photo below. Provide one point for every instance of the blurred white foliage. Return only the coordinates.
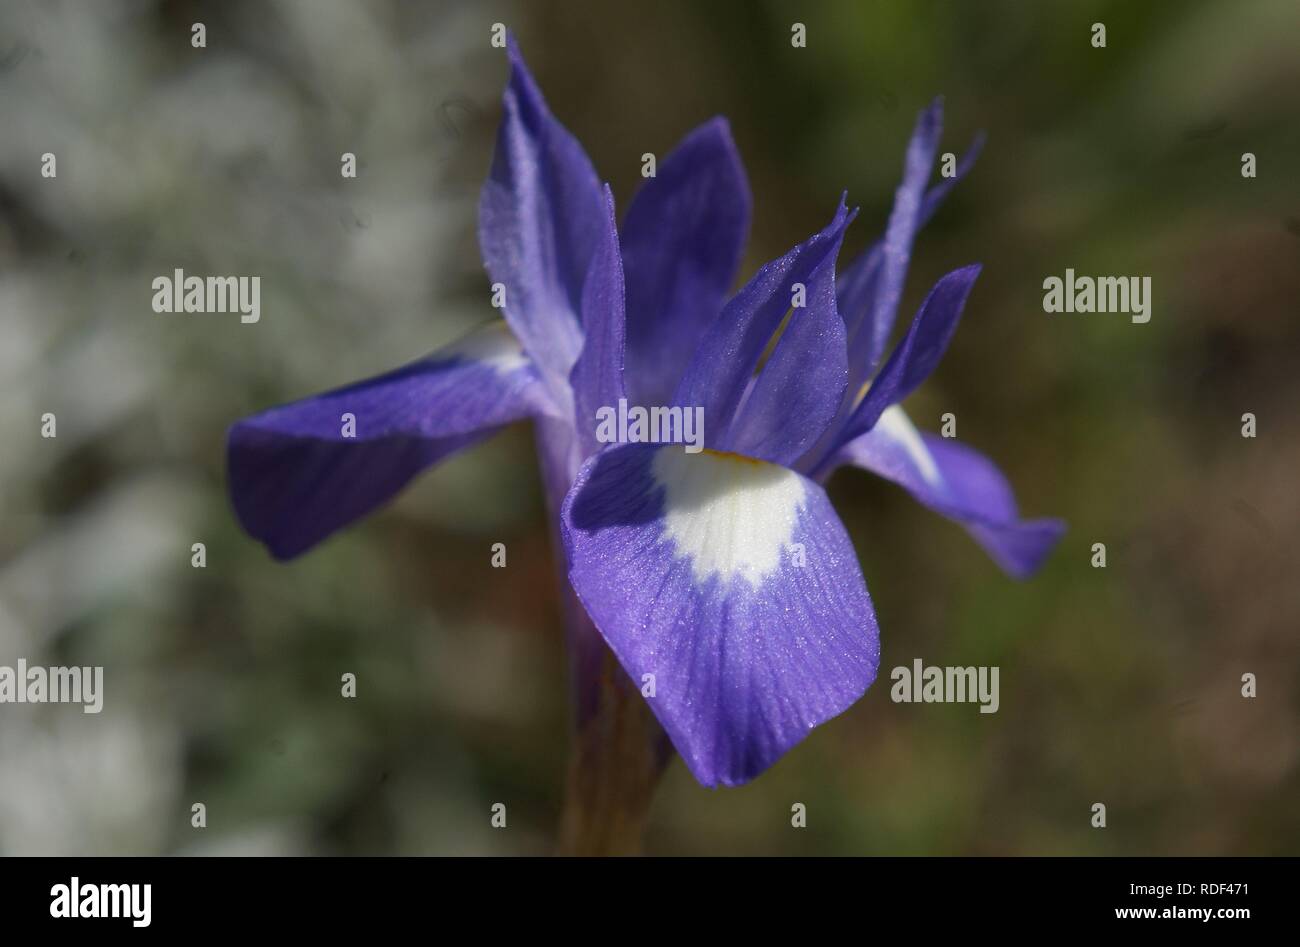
(222, 160)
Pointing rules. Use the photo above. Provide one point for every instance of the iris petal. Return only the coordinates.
(541, 217)
(720, 372)
(920, 350)
(861, 303)
(597, 376)
(683, 238)
(798, 391)
(300, 471)
(959, 483)
(730, 586)
(869, 335)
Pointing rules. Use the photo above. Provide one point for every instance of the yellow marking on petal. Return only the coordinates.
(728, 455)
(862, 393)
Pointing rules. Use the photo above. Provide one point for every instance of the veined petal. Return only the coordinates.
(857, 292)
(918, 353)
(798, 392)
(300, 471)
(734, 584)
(719, 373)
(870, 331)
(541, 216)
(597, 376)
(683, 238)
(857, 284)
(958, 482)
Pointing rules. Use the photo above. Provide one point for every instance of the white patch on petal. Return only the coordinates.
(493, 345)
(898, 427)
(730, 515)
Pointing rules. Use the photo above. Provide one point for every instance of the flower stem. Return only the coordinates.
(619, 750)
(614, 766)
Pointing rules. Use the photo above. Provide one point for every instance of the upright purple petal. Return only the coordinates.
(870, 327)
(719, 373)
(799, 389)
(597, 377)
(958, 482)
(683, 238)
(857, 289)
(918, 353)
(300, 471)
(936, 195)
(857, 284)
(729, 587)
(541, 216)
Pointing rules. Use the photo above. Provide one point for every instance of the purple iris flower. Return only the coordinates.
(722, 580)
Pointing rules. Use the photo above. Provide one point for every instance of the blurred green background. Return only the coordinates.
(1119, 686)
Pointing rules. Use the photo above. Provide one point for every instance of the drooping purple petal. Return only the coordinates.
(918, 353)
(719, 373)
(683, 237)
(597, 376)
(958, 482)
(799, 389)
(856, 285)
(731, 587)
(300, 471)
(541, 216)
